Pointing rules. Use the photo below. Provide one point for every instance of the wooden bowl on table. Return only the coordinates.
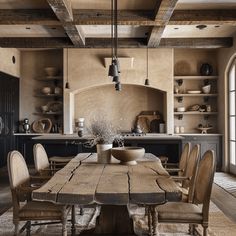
(128, 155)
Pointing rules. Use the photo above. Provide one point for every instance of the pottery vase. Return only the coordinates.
(104, 153)
(206, 69)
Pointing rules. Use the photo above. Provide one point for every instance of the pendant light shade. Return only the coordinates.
(115, 79)
(113, 69)
(147, 80)
(118, 86)
(67, 85)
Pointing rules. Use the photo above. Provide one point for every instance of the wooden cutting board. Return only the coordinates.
(144, 121)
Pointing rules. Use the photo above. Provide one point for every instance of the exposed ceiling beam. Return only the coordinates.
(196, 42)
(207, 17)
(163, 12)
(124, 43)
(63, 11)
(125, 17)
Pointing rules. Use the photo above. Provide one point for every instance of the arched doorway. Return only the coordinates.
(231, 74)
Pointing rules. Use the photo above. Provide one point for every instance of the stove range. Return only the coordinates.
(132, 134)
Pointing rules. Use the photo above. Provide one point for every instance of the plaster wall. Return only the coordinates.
(32, 67)
(121, 107)
(86, 70)
(7, 65)
(225, 56)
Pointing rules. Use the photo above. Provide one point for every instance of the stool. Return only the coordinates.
(57, 162)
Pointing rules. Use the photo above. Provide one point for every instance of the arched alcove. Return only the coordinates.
(121, 108)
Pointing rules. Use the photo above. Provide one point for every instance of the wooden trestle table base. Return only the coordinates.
(113, 186)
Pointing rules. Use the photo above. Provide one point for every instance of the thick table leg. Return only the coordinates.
(113, 220)
(73, 230)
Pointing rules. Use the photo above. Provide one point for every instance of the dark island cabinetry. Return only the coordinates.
(72, 146)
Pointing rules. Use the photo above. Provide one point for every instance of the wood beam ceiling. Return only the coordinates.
(63, 11)
(125, 17)
(163, 12)
(61, 42)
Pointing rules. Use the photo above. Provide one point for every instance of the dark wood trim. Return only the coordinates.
(28, 16)
(207, 17)
(29, 42)
(63, 11)
(123, 43)
(163, 12)
(196, 42)
(125, 17)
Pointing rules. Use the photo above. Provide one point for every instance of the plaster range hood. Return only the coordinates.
(126, 63)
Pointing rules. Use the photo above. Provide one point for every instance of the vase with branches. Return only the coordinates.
(103, 134)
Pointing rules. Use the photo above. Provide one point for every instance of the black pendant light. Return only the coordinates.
(114, 68)
(147, 80)
(67, 86)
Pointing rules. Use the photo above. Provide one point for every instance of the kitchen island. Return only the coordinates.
(72, 144)
(158, 144)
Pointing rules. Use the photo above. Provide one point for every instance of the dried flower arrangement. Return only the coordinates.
(103, 132)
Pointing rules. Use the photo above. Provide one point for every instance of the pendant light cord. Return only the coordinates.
(112, 28)
(116, 29)
(147, 63)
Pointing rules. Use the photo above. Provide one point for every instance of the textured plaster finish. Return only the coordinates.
(225, 58)
(119, 107)
(86, 70)
(6, 65)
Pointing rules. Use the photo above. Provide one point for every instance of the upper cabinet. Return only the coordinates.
(195, 91)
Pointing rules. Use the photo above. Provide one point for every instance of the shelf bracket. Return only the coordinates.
(206, 82)
(180, 117)
(180, 99)
(179, 82)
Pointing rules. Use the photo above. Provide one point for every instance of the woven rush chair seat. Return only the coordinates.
(39, 210)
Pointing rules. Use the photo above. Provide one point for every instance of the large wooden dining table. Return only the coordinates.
(83, 181)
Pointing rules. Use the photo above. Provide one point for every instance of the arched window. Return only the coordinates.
(232, 115)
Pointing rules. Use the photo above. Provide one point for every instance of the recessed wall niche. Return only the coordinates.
(121, 108)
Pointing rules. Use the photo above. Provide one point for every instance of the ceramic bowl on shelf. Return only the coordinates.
(44, 108)
(128, 155)
(51, 71)
(206, 89)
(46, 90)
(180, 109)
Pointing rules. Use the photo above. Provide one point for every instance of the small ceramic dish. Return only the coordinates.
(46, 90)
(206, 89)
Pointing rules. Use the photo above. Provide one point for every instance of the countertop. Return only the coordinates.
(150, 136)
(146, 137)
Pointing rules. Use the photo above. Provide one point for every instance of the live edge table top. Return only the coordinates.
(83, 181)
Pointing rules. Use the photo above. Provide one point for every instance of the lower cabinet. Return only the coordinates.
(207, 142)
(53, 147)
